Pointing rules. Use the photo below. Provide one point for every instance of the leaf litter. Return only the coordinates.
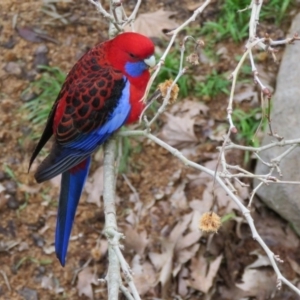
(154, 23)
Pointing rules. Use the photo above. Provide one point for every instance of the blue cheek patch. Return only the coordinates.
(135, 69)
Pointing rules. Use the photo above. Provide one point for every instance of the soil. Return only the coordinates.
(28, 266)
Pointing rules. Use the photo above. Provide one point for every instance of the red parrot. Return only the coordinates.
(101, 93)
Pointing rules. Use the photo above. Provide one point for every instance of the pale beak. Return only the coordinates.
(150, 61)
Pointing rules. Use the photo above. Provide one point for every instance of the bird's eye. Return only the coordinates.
(132, 55)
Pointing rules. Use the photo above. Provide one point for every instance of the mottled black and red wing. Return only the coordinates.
(88, 102)
(91, 90)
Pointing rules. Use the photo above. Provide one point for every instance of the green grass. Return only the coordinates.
(46, 88)
(213, 85)
(274, 11)
(170, 70)
(29, 259)
(247, 124)
(229, 23)
(127, 150)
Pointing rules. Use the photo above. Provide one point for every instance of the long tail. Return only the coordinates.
(72, 183)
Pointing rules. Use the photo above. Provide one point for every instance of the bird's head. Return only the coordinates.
(131, 53)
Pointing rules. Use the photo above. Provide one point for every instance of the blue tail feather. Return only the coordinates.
(72, 183)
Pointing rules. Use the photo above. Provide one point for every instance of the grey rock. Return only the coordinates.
(40, 57)
(285, 116)
(38, 240)
(12, 202)
(28, 294)
(11, 187)
(13, 68)
(28, 96)
(2, 175)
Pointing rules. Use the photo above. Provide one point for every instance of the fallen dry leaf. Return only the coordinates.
(184, 256)
(56, 181)
(157, 259)
(177, 249)
(163, 262)
(294, 265)
(201, 206)
(29, 189)
(261, 261)
(94, 187)
(182, 284)
(32, 35)
(189, 108)
(246, 94)
(203, 272)
(188, 240)
(29, 34)
(100, 250)
(180, 228)
(86, 278)
(135, 240)
(51, 283)
(144, 275)
(178, 198)
(152, 24)
(258, 283)
(192, 6)
(178, 131)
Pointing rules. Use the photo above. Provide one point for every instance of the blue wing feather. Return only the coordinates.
(116, 119)
(72, 183)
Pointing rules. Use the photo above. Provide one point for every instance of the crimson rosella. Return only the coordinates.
(101, 93)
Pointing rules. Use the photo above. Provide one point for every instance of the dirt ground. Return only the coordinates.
(159, 199)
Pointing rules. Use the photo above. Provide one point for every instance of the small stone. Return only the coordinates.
(40, 57)
(28, 96)
(31, 75)
(41, 49)
(3, 201)
(26, 130)
(10, 43)
(38, 240)
(41, 270)
(13, 68)
(12, 202)
(28, 294)
(40, 223)
(11, 187)
(2, 175)
(11, 160)
(39, 274)
(23, 246)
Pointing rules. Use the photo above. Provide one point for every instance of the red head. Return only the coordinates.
(131, 53)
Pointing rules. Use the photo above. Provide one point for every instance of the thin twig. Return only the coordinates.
(5, 279)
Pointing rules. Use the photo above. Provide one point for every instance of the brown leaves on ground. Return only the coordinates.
(152, 24)
(204, 272)
(86, 278)
(94, 187)
(180, 122)
(164, 239)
